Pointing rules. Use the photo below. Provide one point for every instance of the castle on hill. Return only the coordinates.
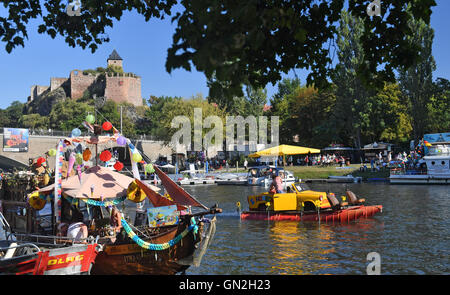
(119, 87)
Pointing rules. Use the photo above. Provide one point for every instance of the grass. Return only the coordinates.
(318, 172)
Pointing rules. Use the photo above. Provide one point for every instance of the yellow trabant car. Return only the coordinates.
(298, 197)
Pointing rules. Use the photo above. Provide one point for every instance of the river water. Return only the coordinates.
(411, 235)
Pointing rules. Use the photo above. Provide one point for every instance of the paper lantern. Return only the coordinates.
(52, 152)
(87, 154)
(90, 119)
(137, 157)
(135, 193)
(121, 141)
(149, 168)
(76, 132)
(118, 166)
(35, 201)
(40, 161)
(105, 156)
(106, 126)
(79, 159)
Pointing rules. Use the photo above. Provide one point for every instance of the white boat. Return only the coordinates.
(435, 165)
(262, 175)
(348, 178)
(231, 179)
(287, 178)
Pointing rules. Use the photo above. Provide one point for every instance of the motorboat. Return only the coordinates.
(432, 168)
(300, 203)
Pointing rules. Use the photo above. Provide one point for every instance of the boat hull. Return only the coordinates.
(77, 259)
(130, 259)
(419, 179)
(343, 215)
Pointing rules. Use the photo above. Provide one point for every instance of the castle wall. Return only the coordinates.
(79, 83)
(57, 82)
(124, 89)
(37, 90)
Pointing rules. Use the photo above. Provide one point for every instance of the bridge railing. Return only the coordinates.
(60, 133)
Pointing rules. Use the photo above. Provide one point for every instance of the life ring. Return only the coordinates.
(135, 193)
(35, 201)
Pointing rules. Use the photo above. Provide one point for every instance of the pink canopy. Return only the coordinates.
(104, 182)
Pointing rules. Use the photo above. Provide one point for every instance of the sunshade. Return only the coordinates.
(104, 182)
(283, 150)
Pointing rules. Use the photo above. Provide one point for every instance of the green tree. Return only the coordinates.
(34, 121)
(351, 111)
(185, 107)
(416, 81)
(69, 114)
(249, 42)
(10, 117)
(388, 116)
(439, 107)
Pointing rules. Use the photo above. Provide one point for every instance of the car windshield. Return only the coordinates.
(301, 187)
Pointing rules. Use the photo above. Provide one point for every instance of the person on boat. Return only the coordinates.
(277, 184)
(116, 221)
(77, 229)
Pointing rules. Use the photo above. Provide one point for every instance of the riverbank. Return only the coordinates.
(318, 172)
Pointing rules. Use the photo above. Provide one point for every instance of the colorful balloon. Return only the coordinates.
(90, 119)
(76, 132)
(107, 126)
(137, 157)
(105, 156)
(121, 141)
(52, 152)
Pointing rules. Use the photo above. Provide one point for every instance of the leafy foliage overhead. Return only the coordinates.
(237, 42)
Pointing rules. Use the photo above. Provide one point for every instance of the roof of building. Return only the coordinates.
(114, 56)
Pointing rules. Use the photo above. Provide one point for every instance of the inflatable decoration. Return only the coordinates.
(105, 156)
(134, 193)
(87, 154)
(118, 166)
(107, 126)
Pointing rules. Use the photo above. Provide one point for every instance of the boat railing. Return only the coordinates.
(53, 240)
(4, 222)
(21, 246)
(403, 171)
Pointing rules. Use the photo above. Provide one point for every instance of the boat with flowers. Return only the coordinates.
(300, 203)
(165, 237)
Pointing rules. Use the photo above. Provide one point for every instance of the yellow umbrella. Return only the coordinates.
(283, 150)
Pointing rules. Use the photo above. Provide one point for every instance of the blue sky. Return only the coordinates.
(143, 47)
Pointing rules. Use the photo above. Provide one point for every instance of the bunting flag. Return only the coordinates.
(58, 182)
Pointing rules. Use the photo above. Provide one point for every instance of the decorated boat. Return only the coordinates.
(30, 246)
(165, 237)
(30, 259)
(300, 203)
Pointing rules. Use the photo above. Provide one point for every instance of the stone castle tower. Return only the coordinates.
(119, 87)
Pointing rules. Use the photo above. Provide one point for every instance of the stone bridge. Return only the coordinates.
(38, 145)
